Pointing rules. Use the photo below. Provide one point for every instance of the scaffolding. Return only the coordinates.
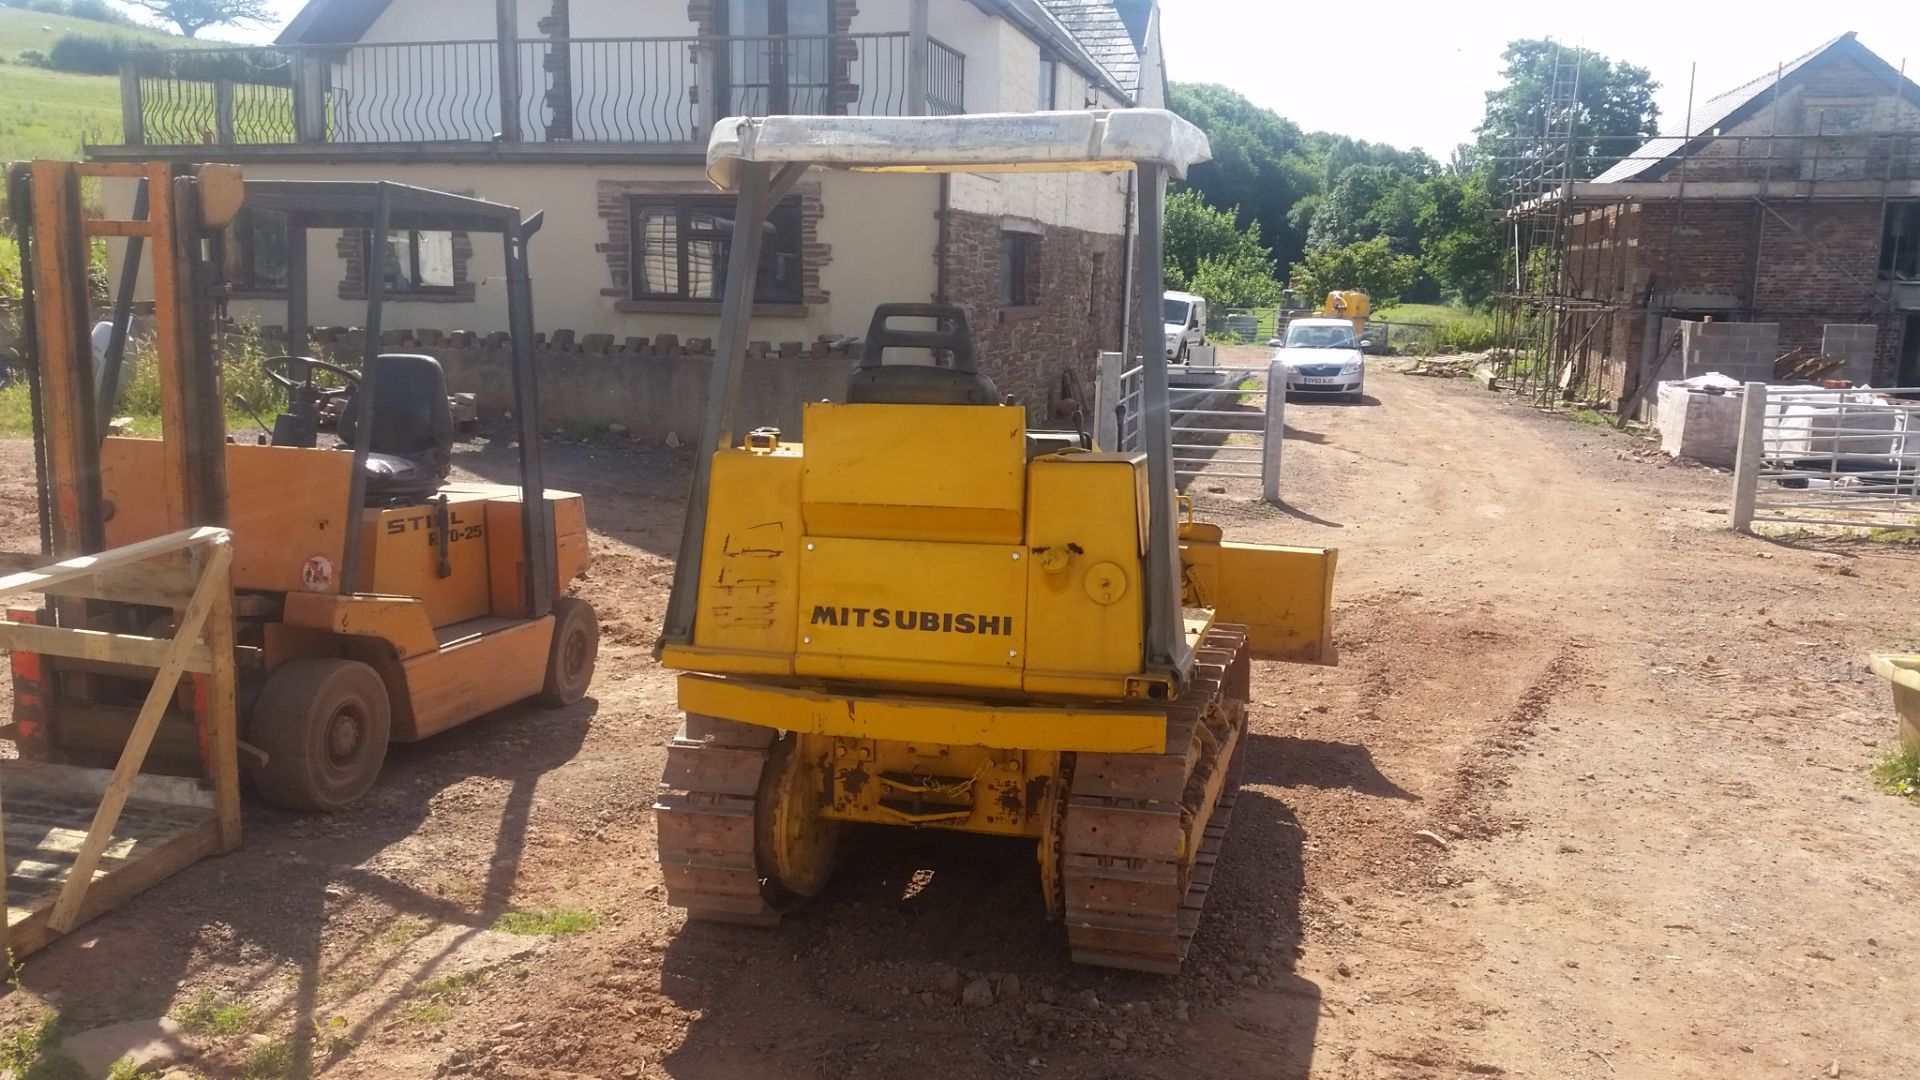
(1560, 313)
(1535, 308)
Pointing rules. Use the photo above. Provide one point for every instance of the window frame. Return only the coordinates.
(1018, 286)
(685, 234)
(1048, 84)
(239, 256)
(413, 287)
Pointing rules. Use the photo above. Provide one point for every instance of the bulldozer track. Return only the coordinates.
(705, 817)
(1137, 835)
(1142, 833)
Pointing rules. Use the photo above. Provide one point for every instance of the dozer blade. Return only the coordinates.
(1282, 595)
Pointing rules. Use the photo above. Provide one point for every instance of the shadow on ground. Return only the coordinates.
(267, 907)
(906, 904)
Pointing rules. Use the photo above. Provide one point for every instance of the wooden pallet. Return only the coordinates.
(82, 841)
(167, 824)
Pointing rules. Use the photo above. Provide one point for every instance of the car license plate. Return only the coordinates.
(1319, 380)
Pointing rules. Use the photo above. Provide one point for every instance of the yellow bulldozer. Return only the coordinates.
(927, 614)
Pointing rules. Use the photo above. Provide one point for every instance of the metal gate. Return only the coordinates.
(1225, 421)
(1811, 456)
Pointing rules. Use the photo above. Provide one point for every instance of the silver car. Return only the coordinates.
(1322, 357)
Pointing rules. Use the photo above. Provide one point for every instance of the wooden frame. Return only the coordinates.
(177, 822)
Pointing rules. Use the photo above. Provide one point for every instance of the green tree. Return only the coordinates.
(1460, 246)
(1210, 254)
(1613, 109)
(1368, 265)
(193, 16)
(1365, 202)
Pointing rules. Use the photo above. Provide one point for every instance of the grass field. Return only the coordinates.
(50, 114)
(1434, 328)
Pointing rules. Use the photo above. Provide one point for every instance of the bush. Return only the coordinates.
(84, 55)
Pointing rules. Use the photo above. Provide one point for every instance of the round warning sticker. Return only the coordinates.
(317, 574)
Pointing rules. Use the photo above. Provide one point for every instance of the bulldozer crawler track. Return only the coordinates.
(705, 817)
(1142, 833)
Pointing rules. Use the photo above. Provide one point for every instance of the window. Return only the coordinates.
(257, 261)
(417, 262)
(779, 57)
(1017, 284)
(1900, 242)
(680, 246)
(1302, 335)
(1049, 82)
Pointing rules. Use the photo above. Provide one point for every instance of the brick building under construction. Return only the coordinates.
(1792, 202)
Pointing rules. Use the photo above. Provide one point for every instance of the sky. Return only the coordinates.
(1415, 74)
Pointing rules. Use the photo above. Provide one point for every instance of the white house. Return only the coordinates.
(596, 112)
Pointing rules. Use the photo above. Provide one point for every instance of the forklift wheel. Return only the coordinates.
(323, 724)
(576, 642)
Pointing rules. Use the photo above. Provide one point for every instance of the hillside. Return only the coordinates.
(21, 31)
(51, 113)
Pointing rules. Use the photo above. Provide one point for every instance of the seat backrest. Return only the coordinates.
(410, 411)
(875, 382)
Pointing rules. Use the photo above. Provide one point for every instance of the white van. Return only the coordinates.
(1185, 316)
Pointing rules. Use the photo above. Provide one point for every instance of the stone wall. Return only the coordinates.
(650, 387)
(1042, 355)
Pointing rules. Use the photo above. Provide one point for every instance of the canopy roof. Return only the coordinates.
(991, 142)
(350, 204)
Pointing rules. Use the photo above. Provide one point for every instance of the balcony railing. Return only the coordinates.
(584, 90)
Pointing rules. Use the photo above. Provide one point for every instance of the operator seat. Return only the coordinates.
(412, 443)
(875, 382)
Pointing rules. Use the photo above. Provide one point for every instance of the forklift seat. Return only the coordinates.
(875, 382)
(412, 438)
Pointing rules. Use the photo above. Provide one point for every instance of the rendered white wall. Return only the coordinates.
(883, 232)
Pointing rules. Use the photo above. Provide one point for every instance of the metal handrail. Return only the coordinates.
(576, 89)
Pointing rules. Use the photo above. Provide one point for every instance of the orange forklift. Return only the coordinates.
(375, 598)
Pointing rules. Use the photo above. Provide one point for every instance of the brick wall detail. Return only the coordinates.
(1045, 354)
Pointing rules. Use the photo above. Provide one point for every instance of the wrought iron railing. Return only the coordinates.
(238, 95)
(594, 90)
(440, 92)
(946, 79)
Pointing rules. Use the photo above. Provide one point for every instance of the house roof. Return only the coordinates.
(1107, 34)
(1655, 157)
(326, 22)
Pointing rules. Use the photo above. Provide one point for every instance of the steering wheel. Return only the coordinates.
(295, 375)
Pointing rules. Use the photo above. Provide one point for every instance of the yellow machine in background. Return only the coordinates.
(1352, 305)
(926, 614)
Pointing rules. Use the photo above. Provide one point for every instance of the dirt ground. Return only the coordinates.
(1636, 743)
